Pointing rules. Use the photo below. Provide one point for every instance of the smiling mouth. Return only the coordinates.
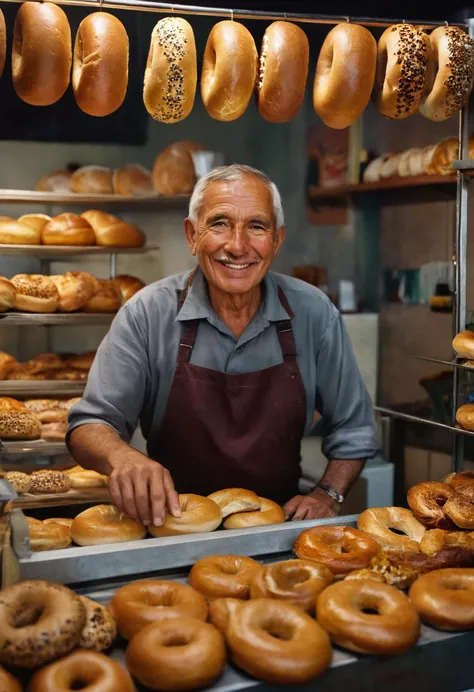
(233, 265)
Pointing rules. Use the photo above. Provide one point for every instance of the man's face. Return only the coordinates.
(235, 238)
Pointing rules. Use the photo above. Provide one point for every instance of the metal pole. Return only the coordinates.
(113, 265)
(171, 8)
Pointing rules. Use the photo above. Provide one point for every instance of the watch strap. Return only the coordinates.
(333, 494)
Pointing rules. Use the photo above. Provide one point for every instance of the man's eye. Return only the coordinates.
(257, 228)
(218, 223)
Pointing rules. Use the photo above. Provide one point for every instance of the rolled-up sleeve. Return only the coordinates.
(118, 380)
(348, 422)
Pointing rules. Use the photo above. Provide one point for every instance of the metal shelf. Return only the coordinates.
(41, 388)
(418, 419)
(451, 363)
(388, 184)
(19, 319)
(52, 251)
(72, 497)
(465, 166)
(34, 197)
(39, 447)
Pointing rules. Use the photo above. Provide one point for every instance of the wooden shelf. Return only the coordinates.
(53, 198)
(72, 497)
(52, 251)
(381, 185)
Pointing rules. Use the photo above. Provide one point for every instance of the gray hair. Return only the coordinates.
(234, 172)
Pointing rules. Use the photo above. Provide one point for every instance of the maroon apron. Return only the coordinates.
(225, 430)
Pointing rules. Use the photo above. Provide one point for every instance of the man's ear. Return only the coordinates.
(279, 238)
(190, 232)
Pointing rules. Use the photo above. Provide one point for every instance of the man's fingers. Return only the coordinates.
(292, 505)
(157, 497)
(115, 494)
(142, 499)
(302, 511)
(128, 497)
(172, 499)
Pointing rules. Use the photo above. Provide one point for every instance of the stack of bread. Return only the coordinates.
(34, 419)
(132, 179)
(434, 159)
(69, 292)
(89, 229)
(71, 367)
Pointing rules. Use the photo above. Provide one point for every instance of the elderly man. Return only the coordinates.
(224, 368)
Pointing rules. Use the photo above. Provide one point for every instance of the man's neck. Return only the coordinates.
(235, 310)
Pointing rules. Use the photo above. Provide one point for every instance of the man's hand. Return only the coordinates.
(142, 488)
(316, 505)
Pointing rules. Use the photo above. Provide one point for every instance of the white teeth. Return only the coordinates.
(236, 266)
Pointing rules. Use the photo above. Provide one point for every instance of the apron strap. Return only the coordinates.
(190, 330)
(285, 330)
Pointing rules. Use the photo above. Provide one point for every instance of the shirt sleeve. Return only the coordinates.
(118, 380)
(348, 422)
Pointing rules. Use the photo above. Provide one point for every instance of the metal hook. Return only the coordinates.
(231, 15)
(285, 16)
(172, 7)
(348, 19)
(446, 23)
(101, 2)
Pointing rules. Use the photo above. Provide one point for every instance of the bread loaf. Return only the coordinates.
(35, 221)
(68, 229)
(7, 294)
(133, 180)
(113, 232)
(173, 171)
(16, 233)
(96, 180)
(106, 298)
(57, 181)
(75, 290)
(128, 286)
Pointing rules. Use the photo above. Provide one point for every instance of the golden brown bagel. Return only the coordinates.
(345, 75)
(106, 297)
(229, 71)
(436, 540)
(18, 233)
(269, 513)
(465, 416)
(220, 610)
(35, 293)
(448, 91)
(379, 523)
(100, 67)
(283, 70)
(404, 57)
(463, 344)
(48, 536)
(173, 170)
(224, 576)
(132, 180)
(146, 601)
(21, 482)
(68, 229)
(100, 628)
(171, 71)
(7, 296)
(3, 42)
(49, 482)
(112, 231)
(235, 500)
(339, 548)
(8, 683)
(75, 290)
(427, 502)
(41, 53)
(463, 483)
(105, 524)
(392, 629)
(445, 598)
(198, 514)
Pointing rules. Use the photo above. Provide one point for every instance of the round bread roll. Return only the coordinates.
(19, 425)
(283, 70)
(133, 180)
(442, 156)
(17, 233)
(68, 229)
(465, 416)
(35, 293)
(340, 95)
(173, 171)
(100, 67)
(46, 410)
(21, 482)
(3, 42)
(463, 344)
(95, 180)
(35, 221)
(450, 88)
(105, 524)
(48, 536)
(7, 362)
(48, 482)
(7, 294)
(41, 53)
(86, 478)
(404, 60)
(128, 286)
(75, 290)
(112, 231)
(57, 181)
(7, 403)
(45, 361)
(229, 71)
(171, 71)
(372, 172)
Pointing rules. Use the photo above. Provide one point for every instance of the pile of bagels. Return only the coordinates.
(277, 622)
(50, 482)
(91, 228)
(34, 419)
(68, 292)
(408, 70)
(73, 367)
(434, 159)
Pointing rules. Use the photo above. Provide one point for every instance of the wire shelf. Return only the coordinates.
(450, 363)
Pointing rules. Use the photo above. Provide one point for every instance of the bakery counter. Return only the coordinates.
(439, 661)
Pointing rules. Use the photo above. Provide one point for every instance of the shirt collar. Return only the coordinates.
(197, 305)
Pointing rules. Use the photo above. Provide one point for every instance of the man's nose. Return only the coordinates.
(237, 242)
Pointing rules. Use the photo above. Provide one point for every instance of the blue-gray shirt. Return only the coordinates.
(131, 376)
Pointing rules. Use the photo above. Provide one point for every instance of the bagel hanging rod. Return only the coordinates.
(167, 7)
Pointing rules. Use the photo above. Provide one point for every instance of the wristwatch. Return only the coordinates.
(333, 494)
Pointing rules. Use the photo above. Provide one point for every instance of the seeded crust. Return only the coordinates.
(100, 628)
(20, 481)
(49, 483)
(19, 425)
(59, 615)
(35, 285)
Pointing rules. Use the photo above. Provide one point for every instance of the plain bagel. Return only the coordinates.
(171, 71)
(41, 53)
(229, 71)
(340, 92)
(100, 68)
(283, 70)
(198, 514)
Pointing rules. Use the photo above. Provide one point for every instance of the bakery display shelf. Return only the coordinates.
(72, 497)
(97, 571)
(450, 363)
(55, 198)
(393, 413)
(38, 447)
(464, 166)
(19, 319)
(41, 388)
(60, 251)
(316, 192)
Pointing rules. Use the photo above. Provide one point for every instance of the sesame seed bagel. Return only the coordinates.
(35, 293)
(100, 628)
(19, 425)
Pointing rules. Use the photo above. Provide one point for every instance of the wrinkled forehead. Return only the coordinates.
(248, 197)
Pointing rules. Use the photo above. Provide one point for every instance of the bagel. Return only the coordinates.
(339, 548)
(465, 417)
(220, 610)
(445, 599)
(100, 67)
(41, 53)
(379, 523)
(269, 513)
(453, 56)
(235, 500)
(390, 627)
(463, 483)
(463, 344)
(3, 42)
(40, 622)
(404, 60)
(104, 524)
(35, 293)
(283, 70)
(277, 642)
(8, 683)
(148, 601)
(198, 515)
(49, 483)
(19, 425)
(100, 628)
(75, 290)
(440, 506)
(229, 71)
(436, 540)
(340, 93)
(224, 576)
(21, 482)
(171, 71)
(50, 536)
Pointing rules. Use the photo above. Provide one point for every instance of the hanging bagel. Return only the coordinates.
(345, 75)
(229, 71)
(41, 53)
(3, 42)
